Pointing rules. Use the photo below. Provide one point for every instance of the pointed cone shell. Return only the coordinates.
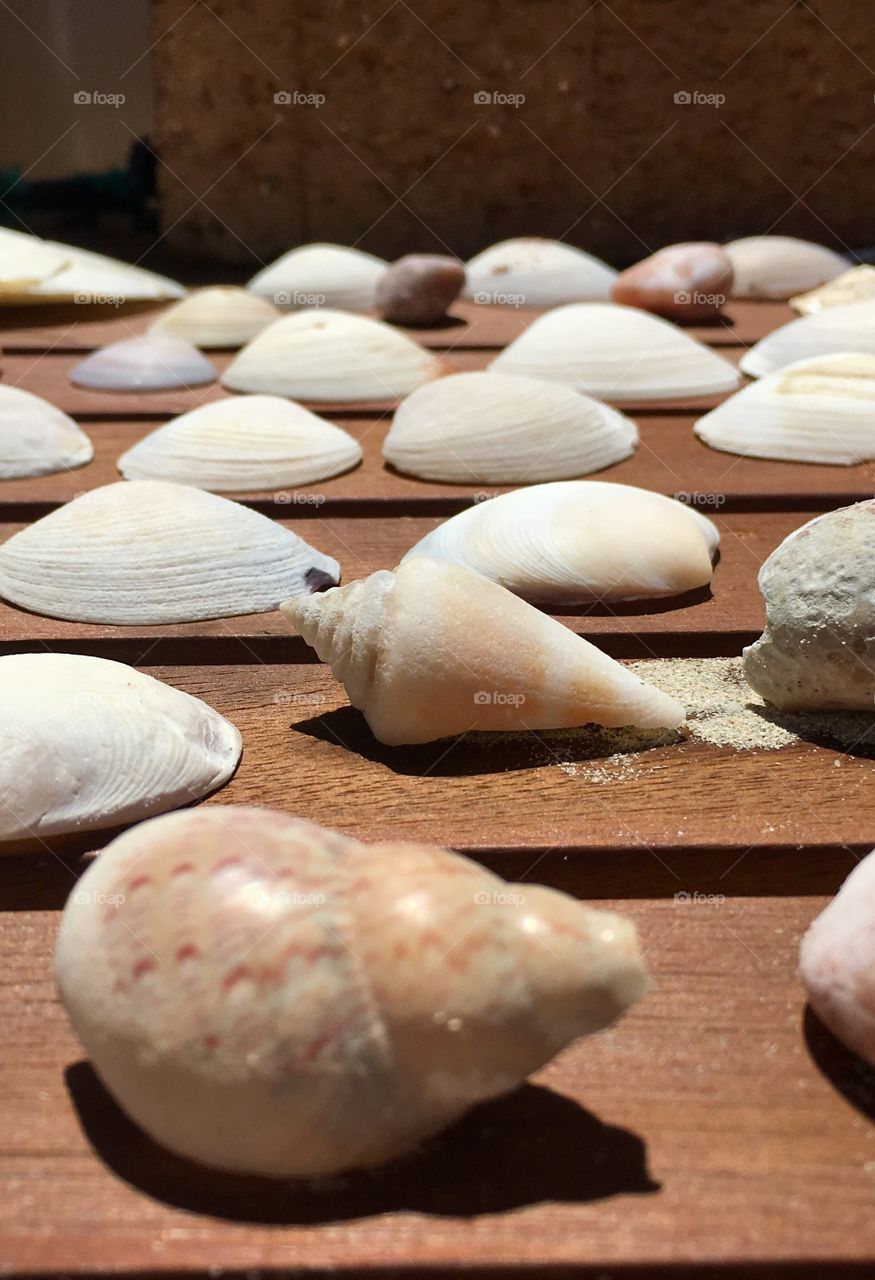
(779, 266)
(295, 983)
(839, 329)
(819, 410)
(153, 362)
(86, 743)
(530, 272)
(332, 357)
(243, 443)
(36, 439)
(495, 428)
(856, 285)
(221, 316)
(148, 552)
(93, 278)
(433, 650)
(616, 353)
(25, 261)
(578, 541)
(321, 275)
(837, 962)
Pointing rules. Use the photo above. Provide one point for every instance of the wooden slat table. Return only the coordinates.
(718, 1129)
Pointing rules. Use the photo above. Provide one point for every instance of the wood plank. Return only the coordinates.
(716, 1125)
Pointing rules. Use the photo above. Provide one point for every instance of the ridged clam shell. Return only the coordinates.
(616, 353)
(579, 540)
(779, 266)
(243, 443)
(25, 261)
(92, 277)
(264, 995)
(836, 330)
(434, 650)
(153, 362)
(219, 316)
(856, 285)
(333, 357)
(36, 439)
(532, 272)
(144, 551)
(86, 743)
(496, 428)
(321, 275)
(818, 410)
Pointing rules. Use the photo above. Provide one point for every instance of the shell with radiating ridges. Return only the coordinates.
(242, 444)
(817, 410)
(434, 650)
(779, 266)
(332, 357)
(578, 541)
(825, 333)
(36, 439)
(267, 996)
(532, 272)
(86, 743)
(222, 315)
(616, 353)
(495, 428)
(321, 275)
(144, 551)
(152, 362)
(856, 285)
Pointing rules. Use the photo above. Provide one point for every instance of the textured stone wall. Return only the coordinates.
(400, 155)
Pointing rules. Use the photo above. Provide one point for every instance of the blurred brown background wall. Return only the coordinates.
(617, 126)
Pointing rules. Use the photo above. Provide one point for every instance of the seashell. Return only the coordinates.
(153, 362)
(779, 266)
(837, 962)
(321, 275)
(271, 997)
(243, 443)
(90, 277)
(616, 353)
(836, 330)
(856, 285)
(434, 650)
(818, 649)
(817, 410)
(579, 541)
(532, 272)
(685, 282)
(496, 428)
(220, 316)
(36, 439)
(419, 288)
(25, 261)
(151, 552)
(87, 743)
(332, 357)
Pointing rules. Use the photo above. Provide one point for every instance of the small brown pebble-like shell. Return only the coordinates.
(419, 288)
(685, 282)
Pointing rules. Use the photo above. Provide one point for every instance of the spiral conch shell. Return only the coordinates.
(86, 743)
(837, 961)
(580, 540)
(263, 995)
(434, 650)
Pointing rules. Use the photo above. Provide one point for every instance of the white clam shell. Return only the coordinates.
(579, 540)
(333, 357)
(616, 353)
(779, 266)
(496, 428)
(220, 316)
(321, 275)
(817, 410)
(434, 650)
(36, 439)
(856, 285)
(838, 329)
(25, 261)
(532, 272)
(243, 443)
(90, 277)
(837, 961)
(153, 362)
(145, 551)
(87, 743)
